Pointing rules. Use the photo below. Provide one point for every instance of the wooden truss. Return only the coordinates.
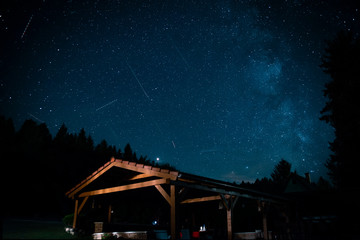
(148, 176)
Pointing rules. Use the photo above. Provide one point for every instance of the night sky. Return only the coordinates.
(222, 89)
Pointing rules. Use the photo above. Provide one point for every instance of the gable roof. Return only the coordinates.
(143, 171)
(146, 175)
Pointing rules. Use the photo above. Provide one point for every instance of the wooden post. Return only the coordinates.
(262, 209)
(172, 212)
(109, 214)
(229, 223)
(265, 226)
(229, 205)
(75, 213)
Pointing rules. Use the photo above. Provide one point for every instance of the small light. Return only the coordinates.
(157, 159)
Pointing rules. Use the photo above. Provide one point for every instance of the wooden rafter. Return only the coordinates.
(163, 193)
(82, 204)
(202, 199)
(234, 192)
(140, 176)
(90, 179)
(124, 187)
(141, 168)
(75, 212)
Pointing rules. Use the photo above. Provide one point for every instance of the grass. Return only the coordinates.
(34, 229)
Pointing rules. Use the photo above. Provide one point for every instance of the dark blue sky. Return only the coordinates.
(223, 89)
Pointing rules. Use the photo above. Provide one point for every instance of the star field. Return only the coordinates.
(223, 89)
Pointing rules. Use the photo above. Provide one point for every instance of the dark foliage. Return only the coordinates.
(40, 169)
(281, 172)
(342, 62)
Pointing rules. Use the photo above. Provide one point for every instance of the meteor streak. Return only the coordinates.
(27, 25)
(178, 51)
(109, 103)
(133, 73)
(36, 118)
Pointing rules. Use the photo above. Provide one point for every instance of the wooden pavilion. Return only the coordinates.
(175, 187)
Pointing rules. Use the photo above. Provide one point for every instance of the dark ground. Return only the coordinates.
(14, 228)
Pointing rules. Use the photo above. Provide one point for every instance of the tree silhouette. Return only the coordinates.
(342, 62)
(128, 153)
(281, 174)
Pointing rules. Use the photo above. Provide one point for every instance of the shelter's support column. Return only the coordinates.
(229, 223)
(265, 227)
(262, 209)
(78, 209)
(109, 214)
(75, 213)
(171, 200)
(172, 212)
(229, 203)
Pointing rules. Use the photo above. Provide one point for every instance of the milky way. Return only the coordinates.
(223, 89)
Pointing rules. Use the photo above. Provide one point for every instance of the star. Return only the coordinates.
(211, 88)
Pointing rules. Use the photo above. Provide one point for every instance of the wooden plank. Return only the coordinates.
(172, 212)
(202, 199)
(153, 171)
(109, 214)
(225, 201)
(86, 179)
(90, 180)
(235, 201)
(75, 213)
(229, 223)
(189, 184)
(140, 176)
(82, 204)
(124, 187)
(163, 193)
(265, 231)
(262, 208)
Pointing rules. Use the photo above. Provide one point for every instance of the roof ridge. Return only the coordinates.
(114, 161)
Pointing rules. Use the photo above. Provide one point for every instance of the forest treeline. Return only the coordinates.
(37, 168)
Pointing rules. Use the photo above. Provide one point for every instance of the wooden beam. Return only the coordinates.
(95, 175)
(109, 214)
(235, 201)
(202, 199)
(75, 213)
(163, 193)
(172, 212)
(263, 209)
(229, 202)
(82, 204)
(124, 187)
(187, 184)
(229, 223)
(140, 176)
(225, 201)
(141, 169)
(265, 231)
